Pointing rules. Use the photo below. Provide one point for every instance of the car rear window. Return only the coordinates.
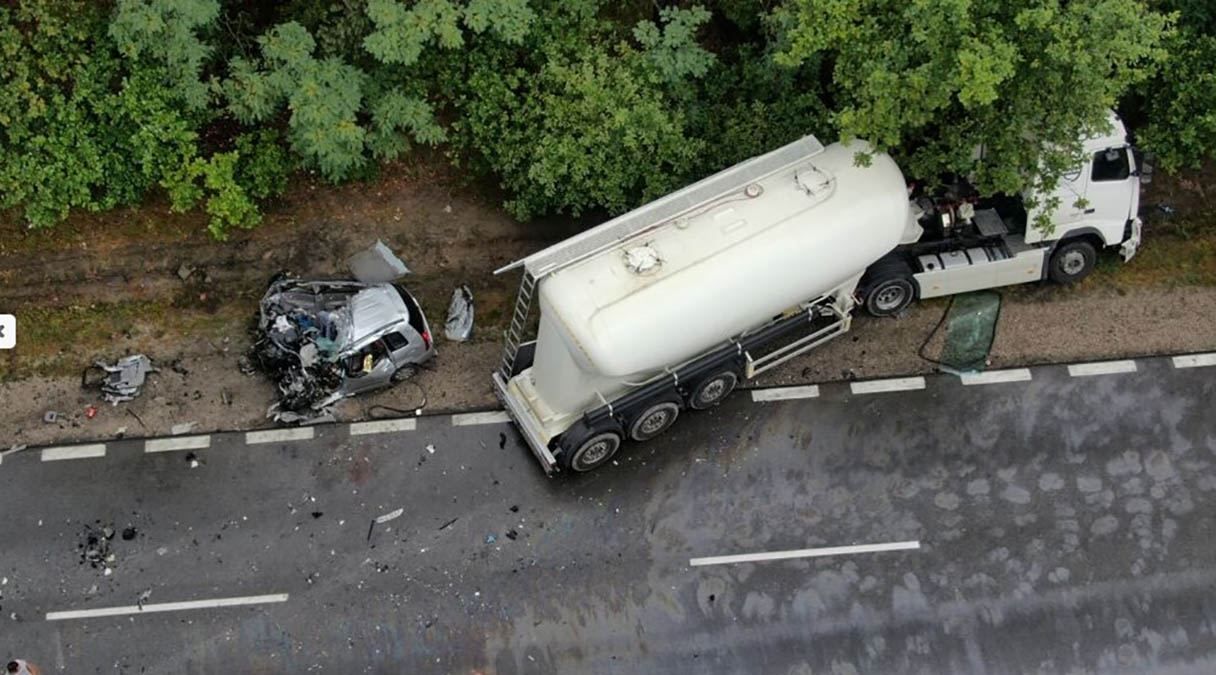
(416, 320)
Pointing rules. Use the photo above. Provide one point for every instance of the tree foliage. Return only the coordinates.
(582, 118)
(1180, 105)
(933, 80)
(570, 105)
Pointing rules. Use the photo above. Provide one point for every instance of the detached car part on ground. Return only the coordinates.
(321, 341)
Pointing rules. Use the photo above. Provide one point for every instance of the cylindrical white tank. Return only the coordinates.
(661, 299)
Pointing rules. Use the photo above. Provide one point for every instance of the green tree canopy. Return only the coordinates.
(932, 80)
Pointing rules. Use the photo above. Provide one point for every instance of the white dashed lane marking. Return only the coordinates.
(73, 452)
(469, 419)
(806, 553)
(1195, 360)
(166, 607)
(996, 376)
(383, 426)
(785, 393)
(882, 386)
(1101, 368)
(177, 443)
(279, 435)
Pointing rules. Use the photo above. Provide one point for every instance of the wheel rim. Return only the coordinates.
(889, 297)
(595, 452)
(1072, 262)
(655, 421)
(713, 390)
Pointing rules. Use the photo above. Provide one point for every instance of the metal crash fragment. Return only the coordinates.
(122, 381)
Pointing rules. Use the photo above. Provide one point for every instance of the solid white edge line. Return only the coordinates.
(279, 435)
(383, 426)
(73, 452)
(805, 553)
(882, 386)
(1195, 360)
(166, 607)
(785, 393)
(469, 419)
(177, 443)
(996, 376)
(1101, 368)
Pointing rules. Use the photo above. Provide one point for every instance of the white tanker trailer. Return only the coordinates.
(666, 308)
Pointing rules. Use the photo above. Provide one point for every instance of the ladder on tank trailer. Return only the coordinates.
(513, 336)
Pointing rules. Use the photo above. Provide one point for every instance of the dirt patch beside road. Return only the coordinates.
(106, 285)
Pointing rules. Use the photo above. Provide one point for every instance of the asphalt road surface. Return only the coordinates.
(1059, 521)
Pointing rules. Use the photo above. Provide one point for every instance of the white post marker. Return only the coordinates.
(785, 393)
(1195, 360)
(166, 607)
(469, 419)
(882, 386)
(8, 331)
(279, 435)
(805, 553)
(1101, 368)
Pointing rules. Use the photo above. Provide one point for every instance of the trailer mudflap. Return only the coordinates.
(525, 423)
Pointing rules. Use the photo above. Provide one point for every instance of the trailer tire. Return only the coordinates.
(713, 390)
(1072, 261)
(595, 451)
(890, 294)
(654, 420)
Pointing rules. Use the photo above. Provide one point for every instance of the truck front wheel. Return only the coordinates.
(890, 296)
(1072, 262)
(593, 452)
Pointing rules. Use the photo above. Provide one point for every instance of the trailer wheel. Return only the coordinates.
(889, 296)
(593, 452)
(1072, 261)
(654, 420)
(713, 390)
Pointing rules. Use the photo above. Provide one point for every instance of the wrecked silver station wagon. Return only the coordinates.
(322, 341)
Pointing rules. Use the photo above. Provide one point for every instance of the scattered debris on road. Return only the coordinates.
(321, 341)
(459, 324)
(391, 515)
(122, 381)
(50, 417)
(95, 548)
(183, 428)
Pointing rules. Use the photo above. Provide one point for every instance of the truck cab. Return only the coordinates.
(965, 242)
